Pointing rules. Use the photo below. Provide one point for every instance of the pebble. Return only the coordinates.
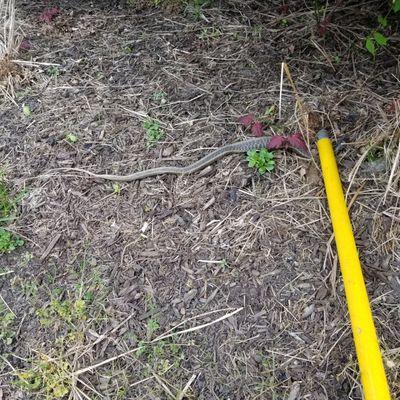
(308, 311)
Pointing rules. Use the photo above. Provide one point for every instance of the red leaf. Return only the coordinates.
(257, 129)
(247, 120)
(25, 45)
(48, 15)
(296, 140)
(277, 142)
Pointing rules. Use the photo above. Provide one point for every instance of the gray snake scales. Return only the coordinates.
(238, 147)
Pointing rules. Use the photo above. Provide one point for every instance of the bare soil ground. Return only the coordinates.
(247, 261)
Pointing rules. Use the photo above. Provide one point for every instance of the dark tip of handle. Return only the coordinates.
(322, 134)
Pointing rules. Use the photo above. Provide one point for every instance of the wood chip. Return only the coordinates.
(50, 247)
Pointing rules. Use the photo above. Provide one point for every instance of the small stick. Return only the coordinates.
(186, 388)
(5, 303)
(280, 93)
(392, 172)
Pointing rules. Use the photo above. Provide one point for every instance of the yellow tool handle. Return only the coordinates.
(372, 371)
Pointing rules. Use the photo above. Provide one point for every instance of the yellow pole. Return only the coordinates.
(372, 371)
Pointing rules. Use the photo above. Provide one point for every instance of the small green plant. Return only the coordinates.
(128, 49)
(152, 326)
(195, 8)
(376, 39)
(116, 188)
(28, 287)
(7, 331)
(71, 138)
(68, 311)
(153, 132)
(257, 32)
(8, 241)
(50, 376)
(53, 71)
(7, 206)
(26, 110)
(336, 59)
(161, 355)
(160, 97)
(262, 160)
(284, 22)
(8, 209)
(210, 33)
(375, 154)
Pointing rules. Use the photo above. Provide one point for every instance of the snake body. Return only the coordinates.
(238, 147)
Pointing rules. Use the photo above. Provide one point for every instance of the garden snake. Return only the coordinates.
(238, 147)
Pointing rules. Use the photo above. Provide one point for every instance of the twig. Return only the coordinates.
(186, 388)
(5, 303)
(392, 172)
(280, 93)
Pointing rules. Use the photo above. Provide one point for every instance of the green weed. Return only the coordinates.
(160, 356)
(68, 311)
(269, 382)
(128, 49)
(50, 376)
(284, 22)
(152, 326)
(28, 287)
(336, 59)
(71, 138)
(376, 39)
(154, 133)
(26, 110)
(210, 33)
(261, 160)
(257, 32)
(160, 97)
(195, 8)
(7, 205)
(9, 242)
(117, 189)
(53, 71)
(375, 154)
(7, 329)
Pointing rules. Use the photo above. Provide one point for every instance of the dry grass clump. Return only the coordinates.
(9, 40)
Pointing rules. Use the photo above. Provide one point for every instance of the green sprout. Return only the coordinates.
(261, 160)
(153, 132)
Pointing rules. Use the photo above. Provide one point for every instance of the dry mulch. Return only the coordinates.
(149, 255)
